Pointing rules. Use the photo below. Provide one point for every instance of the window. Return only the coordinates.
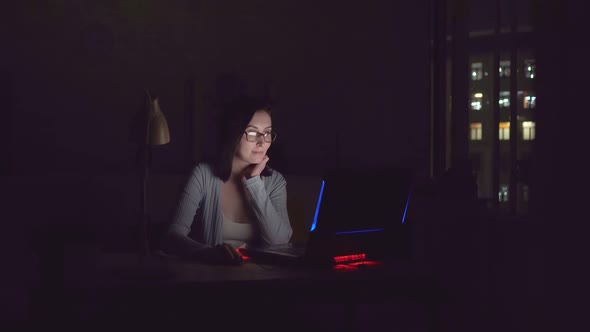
(476, 131)
(504, 68)
(528, 101)
(528, 130)
(529, 68)
(495, 60)
(503, 193)
(504, 131)
(476, 71)
(504, 99)
(476, 101)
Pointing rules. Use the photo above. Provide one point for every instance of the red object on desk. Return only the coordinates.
(241, 252)
(350, 258)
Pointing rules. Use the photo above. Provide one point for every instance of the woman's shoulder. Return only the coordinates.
(203, 169)
(276, 177)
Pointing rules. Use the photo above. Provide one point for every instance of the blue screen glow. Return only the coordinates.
(406, 208)
(317, 207)
(362, 231)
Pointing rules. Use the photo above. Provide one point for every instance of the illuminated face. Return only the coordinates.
(256, 139)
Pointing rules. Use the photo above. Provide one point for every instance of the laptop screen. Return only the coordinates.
(362, 200)
(357, 212)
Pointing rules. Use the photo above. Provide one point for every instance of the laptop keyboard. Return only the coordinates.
(288, 250)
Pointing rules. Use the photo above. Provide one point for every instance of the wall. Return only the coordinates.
(561, 163)
(354, 78)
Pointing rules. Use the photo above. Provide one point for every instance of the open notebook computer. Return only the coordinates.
(359, 214)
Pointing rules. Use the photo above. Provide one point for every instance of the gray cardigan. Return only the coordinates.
(199, 205)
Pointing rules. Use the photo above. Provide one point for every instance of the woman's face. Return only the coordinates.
(253, 152)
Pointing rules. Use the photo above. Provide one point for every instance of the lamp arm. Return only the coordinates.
(149, 117)
(144, 184)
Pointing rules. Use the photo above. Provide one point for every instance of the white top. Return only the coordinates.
(237, 234)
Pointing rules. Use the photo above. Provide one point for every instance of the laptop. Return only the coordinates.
(360, 214)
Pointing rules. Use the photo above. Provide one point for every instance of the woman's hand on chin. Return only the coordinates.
(255, 169)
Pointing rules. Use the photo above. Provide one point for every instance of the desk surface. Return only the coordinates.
(112, 269)
(122, 276)
(118, 286)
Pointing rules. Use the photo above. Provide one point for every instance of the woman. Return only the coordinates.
(235, 200)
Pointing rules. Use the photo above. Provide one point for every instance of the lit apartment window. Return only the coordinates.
(504, 131)
(476, 71)
(504, 99)
(529, 68)
(505, 68)
(503, 193)
(528, 130)
(476, 100)
(529, 101)
(475, 131)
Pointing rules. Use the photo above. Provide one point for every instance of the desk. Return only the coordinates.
(249, 293)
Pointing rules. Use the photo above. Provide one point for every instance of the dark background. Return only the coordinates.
(77, 71)
(351, 85)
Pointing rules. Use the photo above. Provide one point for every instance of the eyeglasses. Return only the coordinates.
(252, 136)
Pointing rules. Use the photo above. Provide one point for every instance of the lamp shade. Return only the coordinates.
(158, 133)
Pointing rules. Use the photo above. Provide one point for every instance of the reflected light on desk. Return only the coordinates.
(356, 265)
(353, 262)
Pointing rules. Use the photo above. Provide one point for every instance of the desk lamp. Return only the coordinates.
(156, 133)
(149, 129)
